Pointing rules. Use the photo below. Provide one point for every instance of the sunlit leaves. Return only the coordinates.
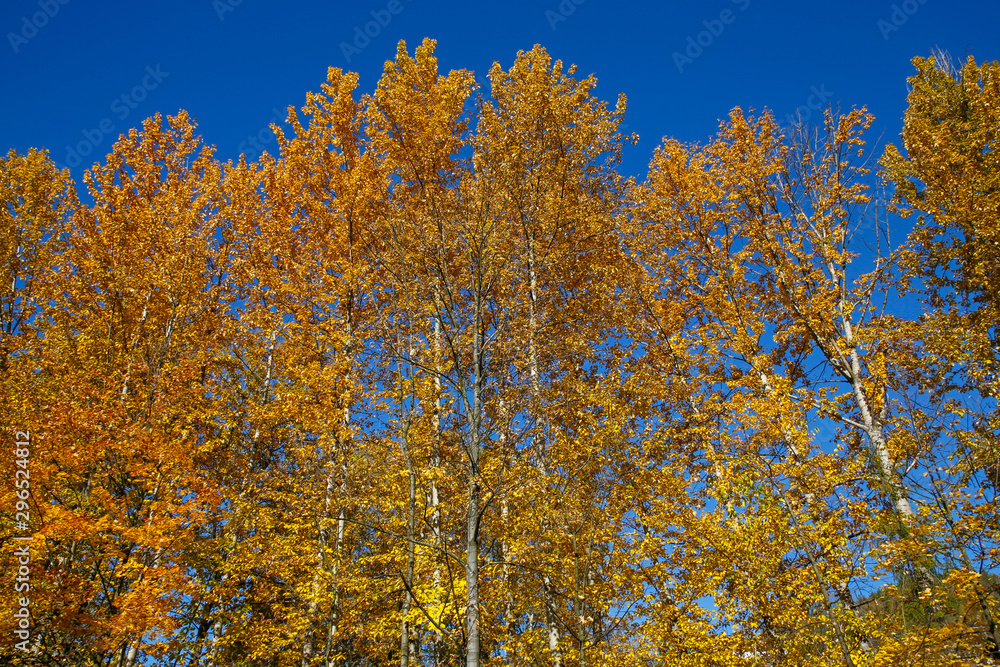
(434, 384)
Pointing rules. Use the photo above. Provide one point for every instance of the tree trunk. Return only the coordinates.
(538, 441)
(435, 500)
(472, 643)
(475, 419)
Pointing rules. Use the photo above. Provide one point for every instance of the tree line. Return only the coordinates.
(437, 385)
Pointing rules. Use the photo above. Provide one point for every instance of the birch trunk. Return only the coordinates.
(411, 505)
(475, 420)
(472, 645)
(307, 644)
(404, 633)
(538, 441)
(435, 500)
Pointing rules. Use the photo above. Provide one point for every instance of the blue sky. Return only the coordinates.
(77, 73)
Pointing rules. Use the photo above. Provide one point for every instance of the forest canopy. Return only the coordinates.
(436, 384)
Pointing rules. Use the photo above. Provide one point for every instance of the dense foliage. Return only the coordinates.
(436, 385)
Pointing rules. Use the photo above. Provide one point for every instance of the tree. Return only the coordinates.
(436, 385)
(128, 327)
(949, 176)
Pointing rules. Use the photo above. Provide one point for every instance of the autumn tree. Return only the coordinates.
(946, 178)
(762, 234)
(435, 384)
(737, 396)
(37, 202)
(129, 330)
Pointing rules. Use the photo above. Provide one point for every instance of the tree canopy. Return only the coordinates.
(436, 385)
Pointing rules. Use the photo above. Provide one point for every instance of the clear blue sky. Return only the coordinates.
(76, 73)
